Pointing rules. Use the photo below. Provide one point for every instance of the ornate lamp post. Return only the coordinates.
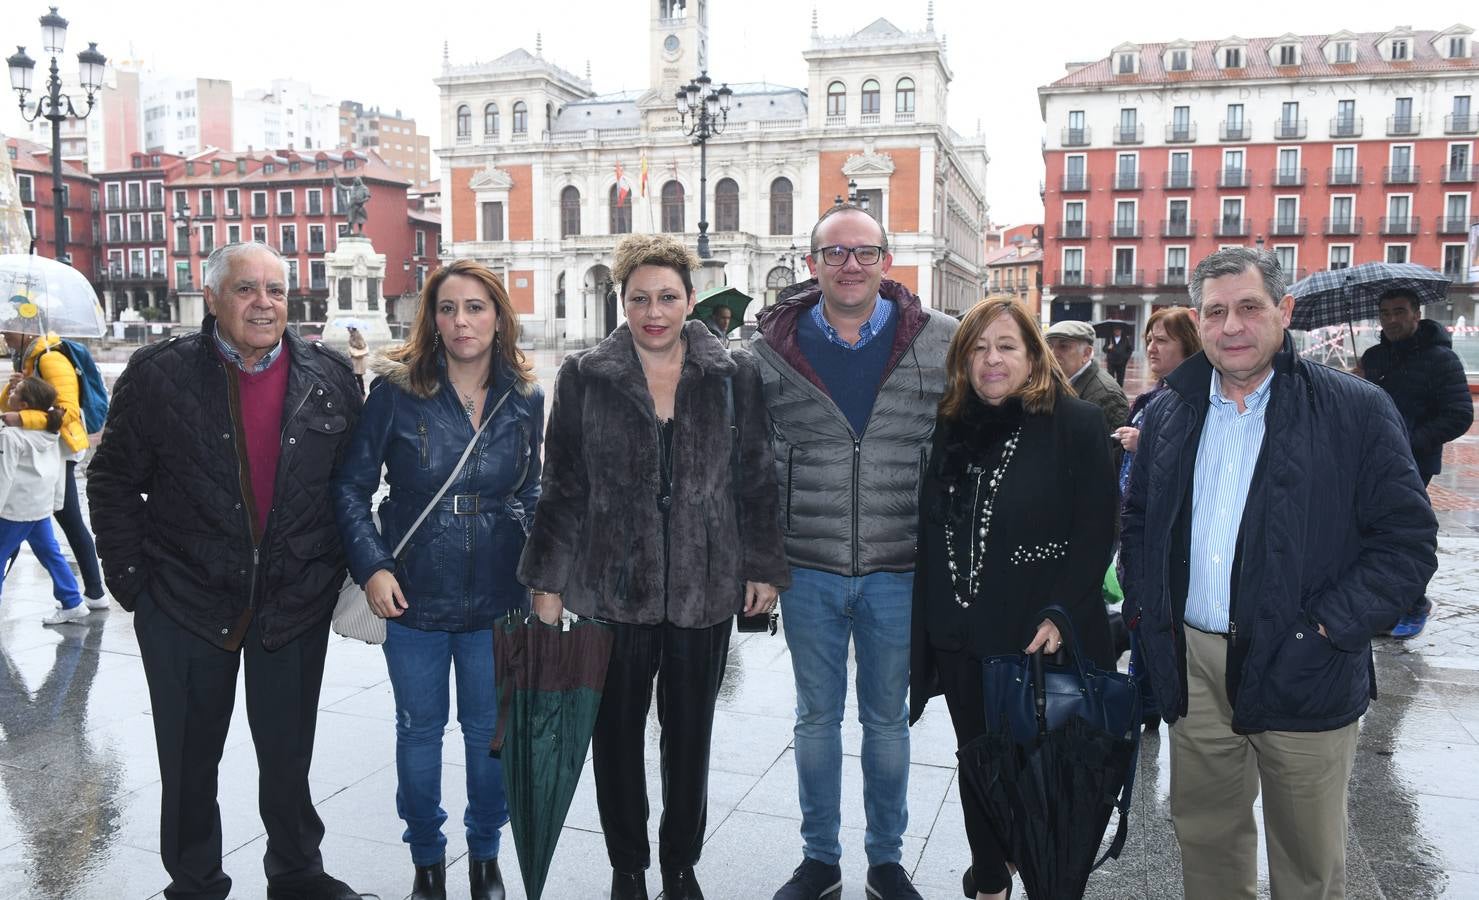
(55, 106)
(853, 197)
(709, 109)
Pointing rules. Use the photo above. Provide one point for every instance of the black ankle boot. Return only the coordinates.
(431, 882)
(485, 879)
(679, 884)
(628, 885)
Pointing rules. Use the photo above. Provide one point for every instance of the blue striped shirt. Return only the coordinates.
(1226, 457)
(882, 309)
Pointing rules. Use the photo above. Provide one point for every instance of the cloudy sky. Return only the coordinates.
(1000, 52)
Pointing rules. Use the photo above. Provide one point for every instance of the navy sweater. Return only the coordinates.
(852, 376)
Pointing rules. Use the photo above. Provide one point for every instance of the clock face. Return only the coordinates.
(671, 44)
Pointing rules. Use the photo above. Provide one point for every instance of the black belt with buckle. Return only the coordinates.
(466, 504)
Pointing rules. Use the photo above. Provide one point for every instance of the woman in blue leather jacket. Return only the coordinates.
(456, 576)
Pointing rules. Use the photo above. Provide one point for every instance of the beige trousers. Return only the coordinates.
(1215, 777)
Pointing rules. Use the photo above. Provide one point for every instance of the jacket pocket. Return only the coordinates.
(1309, 678)
(313, 544)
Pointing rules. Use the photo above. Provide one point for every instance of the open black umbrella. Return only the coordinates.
(549, 691)
(1106, 328)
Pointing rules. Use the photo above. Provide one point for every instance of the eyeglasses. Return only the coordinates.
(866, 255)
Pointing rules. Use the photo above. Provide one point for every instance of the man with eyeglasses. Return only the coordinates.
(853, 369)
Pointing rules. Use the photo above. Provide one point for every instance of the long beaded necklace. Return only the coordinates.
(965, 588)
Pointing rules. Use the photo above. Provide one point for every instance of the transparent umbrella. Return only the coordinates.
(40, 295)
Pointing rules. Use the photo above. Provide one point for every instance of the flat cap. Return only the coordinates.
(1073, 331)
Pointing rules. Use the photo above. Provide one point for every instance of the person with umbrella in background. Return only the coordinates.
(1118, 348)
(1416, 366)
(719, 322)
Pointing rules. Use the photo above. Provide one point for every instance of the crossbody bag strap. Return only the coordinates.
(456, 470)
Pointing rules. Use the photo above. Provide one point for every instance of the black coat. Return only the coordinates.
(1426, 380)
(1052, 536)
(165, 492)
(1336, 532)
(598, 534)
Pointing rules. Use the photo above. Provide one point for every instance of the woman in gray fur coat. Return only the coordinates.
(643, 523)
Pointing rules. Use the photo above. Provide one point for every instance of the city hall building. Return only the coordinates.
(541, 174)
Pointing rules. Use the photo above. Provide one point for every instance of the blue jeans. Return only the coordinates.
(821, 611)
(420, 663)
(43, 543)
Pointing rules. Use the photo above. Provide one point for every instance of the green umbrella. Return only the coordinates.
(723, 295)
(549, 691)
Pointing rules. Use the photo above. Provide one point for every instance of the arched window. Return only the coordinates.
(672, 207)
(464, 122)
(904, 96)
(836, 99)
(780, 206)
(776, 279)
(726, 205)
(871, 104)
(569, 211)
(521, 117)
(490, 120)
(621, 212)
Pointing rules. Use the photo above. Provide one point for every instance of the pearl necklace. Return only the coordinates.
(963, 593)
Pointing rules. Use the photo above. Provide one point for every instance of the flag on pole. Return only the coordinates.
(622, 191)
(644, 175)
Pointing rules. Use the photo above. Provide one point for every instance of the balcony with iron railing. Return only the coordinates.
(1170, 277)
(1234, 178)
(1235, 131)
(231, 213)
(1127, 181)
(1403, 126)
(1180, 179)
(1457, 174)
(1178, 228)
(1181, 132)
(1228, 227)
(1070, 278)
(1124, 277)
(1127, 228)
(1074, 229)
(1455, 224)
(1346, 126)
(1287, 226)
(1076, 137)
(1075, 184)
(1291, 129)
(1408, 174)
(1344, 225)
(1289, 177)
(1350, 176)
(1401, 224)
(1460, 123)
(1129, 134)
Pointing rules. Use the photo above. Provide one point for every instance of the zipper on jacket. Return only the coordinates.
(425, 443)
(857, 468)
(790, 475)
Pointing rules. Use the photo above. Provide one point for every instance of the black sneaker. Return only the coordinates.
(890, 882)
(317, 887)
(812, 880)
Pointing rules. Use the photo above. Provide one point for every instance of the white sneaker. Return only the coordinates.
(96, 603)
(63, 616)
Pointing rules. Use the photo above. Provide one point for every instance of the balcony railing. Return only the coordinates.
(1400, 126)
(315, 246)
(1127, 228)
(1460, 123)
(1291, 129)
(1453, 174)
(289, 247)
(1289, 177)
(1070, 278)
(1124, 277)
(1070, 230)
(1127, 181)
(1400, 224)
(1345, 225)
(1232, 227)
(284, 210)
(1170, 277)
(1455, 224)
(1178, 227)
(259, 212)
(1129, 134)
(1182, 133)
(231, 212)
(1233, 178)
(1348, 177)
(179, 251)
(1075, 184)
(1400, 174)
(1287, 227)
(1180, 179)
(1076, 137)
(1235, 131)
(1346, 126)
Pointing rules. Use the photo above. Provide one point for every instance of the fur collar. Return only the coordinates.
(399, 374)
(615, 359)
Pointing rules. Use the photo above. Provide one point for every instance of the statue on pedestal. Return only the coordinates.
(354, 196)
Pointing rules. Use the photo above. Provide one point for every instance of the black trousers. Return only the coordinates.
(960, 679)
(1117, 370)
(79, 538)
(192, 688)
(688, 664)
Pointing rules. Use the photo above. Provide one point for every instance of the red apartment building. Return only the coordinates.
(32, 165)
(1329, 150)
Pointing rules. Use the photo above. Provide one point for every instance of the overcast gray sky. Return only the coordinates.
(388, 53)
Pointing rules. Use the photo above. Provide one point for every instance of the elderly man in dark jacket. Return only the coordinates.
(1072, 344)
(209, 497)
(1275, 521)
(1415, 364)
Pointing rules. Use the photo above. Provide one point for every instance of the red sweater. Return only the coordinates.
(261, 396)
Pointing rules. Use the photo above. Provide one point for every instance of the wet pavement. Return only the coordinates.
(79, 816)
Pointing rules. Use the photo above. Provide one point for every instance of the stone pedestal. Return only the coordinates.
(710, 273)
(356, 276)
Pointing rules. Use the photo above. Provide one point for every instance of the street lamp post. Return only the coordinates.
(55, 106)
(709, 108)
(853, 197)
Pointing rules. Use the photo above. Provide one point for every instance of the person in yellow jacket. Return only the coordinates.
(33, 353)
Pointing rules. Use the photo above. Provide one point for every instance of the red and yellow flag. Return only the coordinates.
(622, 191)
(644, 175)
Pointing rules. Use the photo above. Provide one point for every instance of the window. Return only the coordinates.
(182, 238)
(1074, 176)
(1126, 64)
(1178, 212)
(1402, 122)
(1124, 219)
(112, 194)
(207, 239)
(569, 212)
(1340, 256)
(207, 204)
(233, 201)
(1344, 170)
(1288, 162)
(1401, 168)
(1288, 55)
(1286, 215)
(1073, 219)
(1399, 51)
(1124, 265)
(115, 228)
(30, 221)
(1178, 61)
(1399, 210)
(285, 203)
(490, 120)
(135, 227)
(836, 99)
(136, 263)
(521, 117)
(1232, 215)
(1458, 48)
(672, 207)
(1127, 172)
(620, 221)
(316, 238)
(1175, 265)
(288, 238)
(292, 274)
(156, 227)
(1345, 116)
(1287, 255)
(420, 243)
(1397, 253)
(1343, 52)
(28, 188)
(315, 199)
(904, 96)
(1232, 58)
(1073, 265)
(1129, 122)
(1234, 124)
(1289, 114)
(492, 221)
(464, 122)
(317, 275)
(259, 203)
(871, 102)
(726, 205)
(1454, 262)
(1181, 123)
(259, 233)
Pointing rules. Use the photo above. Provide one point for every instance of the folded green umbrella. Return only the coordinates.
(549, 691)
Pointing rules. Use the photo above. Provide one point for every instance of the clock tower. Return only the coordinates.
(679, 44)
